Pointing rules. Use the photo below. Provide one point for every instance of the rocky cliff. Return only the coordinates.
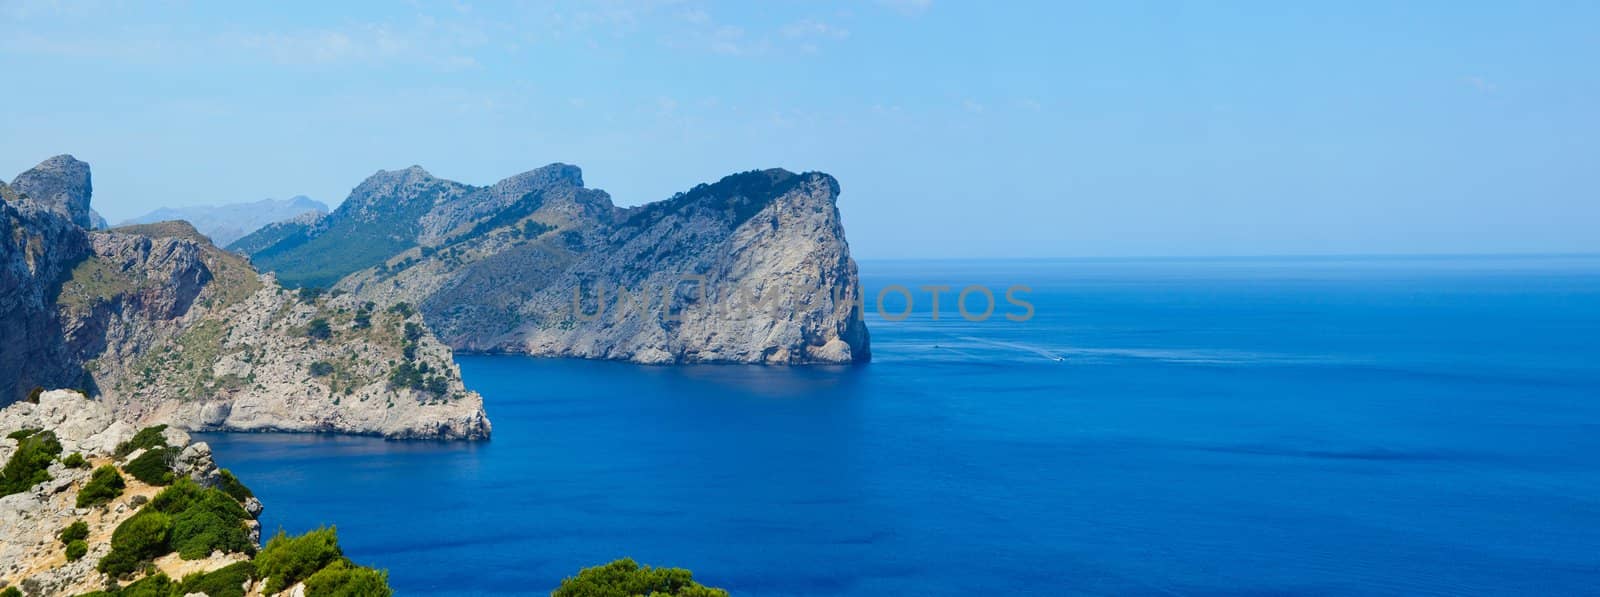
(751, 269)
(61, 183)
(165, 327)
(106, 506)
(40, 245)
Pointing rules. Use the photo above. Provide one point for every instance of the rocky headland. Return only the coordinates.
(751, 269)
(164, 327)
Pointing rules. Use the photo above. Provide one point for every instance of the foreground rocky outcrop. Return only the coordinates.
(91, 474)
(751, 269)
(165, 327)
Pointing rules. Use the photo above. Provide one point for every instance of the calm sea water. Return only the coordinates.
(1379, 426)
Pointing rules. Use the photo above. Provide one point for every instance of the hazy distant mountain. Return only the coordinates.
(224, 224)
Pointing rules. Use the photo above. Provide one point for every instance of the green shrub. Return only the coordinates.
(76, 550)
(227, 581)
(232, 486)
(10, 592)
(104, 485)
(318, 329)
(288, 560)
(200, 530)
(74, 532)
(187, 518)
(182, 495)
(625, 577)
(75, 460)
(30, 464)
(203, 520)
(343, 579)
(22, 434)
(140, 538)
(147, 438)
(155, 585)
(438, 385)
(405, 375)
(34, 394)
(153, 467)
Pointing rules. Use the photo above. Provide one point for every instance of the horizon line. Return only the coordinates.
(1149, 257)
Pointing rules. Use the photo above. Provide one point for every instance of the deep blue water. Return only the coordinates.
(1376, 425)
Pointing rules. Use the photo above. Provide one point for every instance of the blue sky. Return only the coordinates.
(956, 129)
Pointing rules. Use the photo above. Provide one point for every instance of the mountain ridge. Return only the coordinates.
(497, 267)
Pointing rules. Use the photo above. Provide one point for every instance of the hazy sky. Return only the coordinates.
(956, 129)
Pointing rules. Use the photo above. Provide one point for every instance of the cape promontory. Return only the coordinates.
(753, 268)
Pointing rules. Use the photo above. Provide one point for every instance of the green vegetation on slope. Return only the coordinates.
(76, 549)
(76, 531)
(29, 465)
(93, 280)
(523, 207)
(344, 579)
(104, 485)
(185, 518)
(351, 242)
(145, 439)
(227, 581)
(231, 486)
(315, 558)
(154, 466)
(739, 196)
(626, 578)
(269, 235)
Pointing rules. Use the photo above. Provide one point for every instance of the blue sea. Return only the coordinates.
(1380, 425)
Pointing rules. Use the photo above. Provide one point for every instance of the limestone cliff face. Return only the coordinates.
(60, 183)
(37, 249)
(164, 327)
(752, 269)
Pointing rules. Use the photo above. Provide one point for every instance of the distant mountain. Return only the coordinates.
(756, 265)
(224, 224)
